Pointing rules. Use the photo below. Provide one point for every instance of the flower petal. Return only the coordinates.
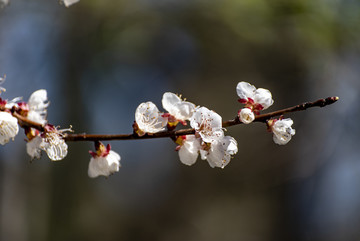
(189, 151)
(68, 3)
(221, 151)
(33, 147)
(149, 119)
(38, 103)
(181, 110)
(245, 90)
(263, 97)
(230, 145)
(208, 124)
(170, 101)
(38, 100)
(104, 166)
(282, 131)
(8, 127)
(54, 146)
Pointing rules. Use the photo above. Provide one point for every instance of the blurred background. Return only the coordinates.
(99, 59)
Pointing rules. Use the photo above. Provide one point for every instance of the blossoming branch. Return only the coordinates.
(205, 137)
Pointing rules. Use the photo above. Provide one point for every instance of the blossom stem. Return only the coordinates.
(24, 122)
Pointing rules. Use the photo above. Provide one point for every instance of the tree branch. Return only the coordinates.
(24, 122)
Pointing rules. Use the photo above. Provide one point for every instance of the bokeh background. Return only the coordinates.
(99, 59)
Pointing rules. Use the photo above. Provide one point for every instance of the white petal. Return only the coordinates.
(170, 101)
(221, 151)
(282, 131)
(37, 117)
(181, 110)
(263, 97)
(208, 123)
(33, 147)
(57, 152)
(113, 160)
(54, 146)
(149, 119)
(104, 166)
(184, 111)
(38, 100)
(38, 103)
(189, 151)
(230, 145)
(245, 90)
(246, 116)
(203, 154)
(216, 155)
(8, 127)
(68, 3)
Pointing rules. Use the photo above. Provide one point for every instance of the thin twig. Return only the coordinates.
(24, 122)
(301, 107)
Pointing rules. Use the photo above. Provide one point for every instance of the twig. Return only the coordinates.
(301, 107)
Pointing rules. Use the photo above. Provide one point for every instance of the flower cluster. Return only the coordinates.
(49, 140)
(209, 140)
(206, 138)
(259, 99)
(254, 99)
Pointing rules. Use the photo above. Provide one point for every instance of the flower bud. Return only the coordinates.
(246, 115)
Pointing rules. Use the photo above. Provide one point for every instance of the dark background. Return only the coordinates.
(99, 59)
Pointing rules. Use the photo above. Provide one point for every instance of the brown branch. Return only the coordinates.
(92, 137)
(301, 107)
(24, 122)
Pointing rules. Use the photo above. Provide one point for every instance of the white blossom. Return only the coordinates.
(38, 103)
(8, 127)
(254, 100)
(263, 97)
(149, 119)
(53, 143)
(104, 165)
(68, 3)
(54, 146)
(246, 115)
(208, 124)
(220, 152)
(245, 90)
(181, 110)
(217, 153)
(259, 96)
(189, 150)
(33, 147)
(282, 131)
